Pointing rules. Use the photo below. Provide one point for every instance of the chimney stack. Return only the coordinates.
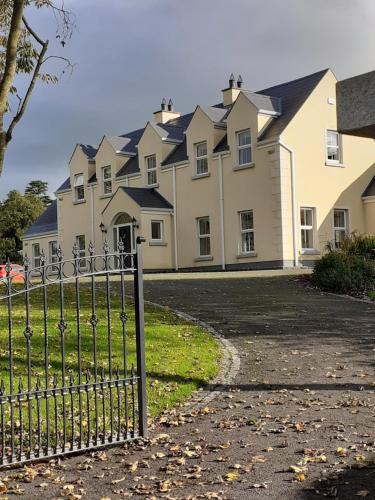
(166, 112)
(231, 93)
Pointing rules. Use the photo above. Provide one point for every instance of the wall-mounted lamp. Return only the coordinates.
(103, 229)
(135, 223)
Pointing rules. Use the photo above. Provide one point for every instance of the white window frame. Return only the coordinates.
(244, 232)
(81, 252)
(201, 158)
(243, 147)
(202, 236)
(307, 227)
(36, 256)
(53, 258)
(161, 224)
(344, 228)
(106, 180)
(151, 171)
(338, 148)
(79, 183)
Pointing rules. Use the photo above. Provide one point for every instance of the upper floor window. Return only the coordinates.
(247, 231)
(243, 140)
(107, 179)
(36, 255)
(79, 188)
(157, 230)
(307, 228)
(201, 161)
(152, 178)
(334, 154)
(204, 237)
(340, 226)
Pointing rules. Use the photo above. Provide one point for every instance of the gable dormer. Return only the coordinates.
(82, 170)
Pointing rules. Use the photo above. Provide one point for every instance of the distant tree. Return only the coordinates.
(23, 51)
(17, 213)
(39, 189)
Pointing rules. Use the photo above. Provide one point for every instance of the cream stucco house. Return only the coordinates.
(260, 180)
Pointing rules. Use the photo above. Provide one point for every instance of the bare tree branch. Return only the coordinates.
(31, 31)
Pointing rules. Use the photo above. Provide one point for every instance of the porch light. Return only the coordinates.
(135, 223)
(103, 229)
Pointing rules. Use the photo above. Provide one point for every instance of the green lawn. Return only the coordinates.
(372, 295)
(180, 357)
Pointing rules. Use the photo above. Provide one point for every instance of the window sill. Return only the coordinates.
(79, 202)
(246, 255)
(200, 176)
(157, 243)
(153, 185)
(244, 167)
(334, 164)
(203, 258)
(309, 251)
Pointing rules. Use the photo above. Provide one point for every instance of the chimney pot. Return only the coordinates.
(170, 105)
(163, 104)
(231, 81)
(239, 81)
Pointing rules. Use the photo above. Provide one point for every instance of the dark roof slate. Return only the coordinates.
(222, 145)
(293, 94)
(88, 150)
(147, 197)
(64, 186)
(46, 223)
(129, 167)
(178, 154)
(370, 190)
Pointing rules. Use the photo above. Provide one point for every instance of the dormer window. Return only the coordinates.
(201, 161)
(107, 179)
(152, 178)
(79, 188)
(334, 153)
(243, 140)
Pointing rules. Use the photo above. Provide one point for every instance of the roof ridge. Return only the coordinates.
(296, 80)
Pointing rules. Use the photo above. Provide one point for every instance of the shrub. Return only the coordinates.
(343, 272)
(357, 244)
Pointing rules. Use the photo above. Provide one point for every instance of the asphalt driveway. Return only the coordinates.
(298, 422)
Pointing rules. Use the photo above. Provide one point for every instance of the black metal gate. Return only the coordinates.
(72, 363)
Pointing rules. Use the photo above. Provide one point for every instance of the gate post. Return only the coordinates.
(140, 337)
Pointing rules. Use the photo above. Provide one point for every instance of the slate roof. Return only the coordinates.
(169, 132)
(64, 186)
(265, 102)
(88, 150)
(129, 167)
(370, 190)
(46, 223)
(147, 197)
(222, 145)
(179, 153)
(293, 94)
(126, 143)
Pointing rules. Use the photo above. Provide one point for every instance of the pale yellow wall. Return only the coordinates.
(369, 209)
(157, 256)
(321, 186)
(44, 245)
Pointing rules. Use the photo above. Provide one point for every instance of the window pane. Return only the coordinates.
(204, 226)
(107, 187)
(247, 221)
(202, 166)
(247, 242)
(332, 138)
(201, 149)
(156, 230)
(78, 180)
(339, 237)
(244, 156)
(151, 177)
(80, 193)
(243, 138)
(151, 162)
(204, 246)
(339, 218)
(106, 172)
(307, 239)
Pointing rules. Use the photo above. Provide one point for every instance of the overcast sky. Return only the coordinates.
(131, 53)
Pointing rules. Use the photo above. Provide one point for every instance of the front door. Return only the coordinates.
(124, 233)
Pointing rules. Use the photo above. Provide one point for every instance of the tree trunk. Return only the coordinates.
(9, 70)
